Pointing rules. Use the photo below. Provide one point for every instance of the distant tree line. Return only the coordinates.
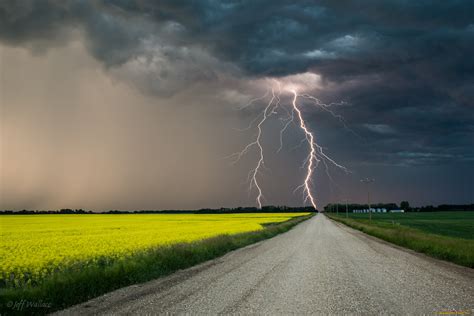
(264, 209)
(34, 212)
(342, 207)
(403, 205)
(444, 208)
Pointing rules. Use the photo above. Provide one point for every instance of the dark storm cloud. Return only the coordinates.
(338, 38)
(113, 33)
(406, 67)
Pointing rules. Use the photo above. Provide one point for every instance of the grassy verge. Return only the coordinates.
(457, 250)
(72, 287)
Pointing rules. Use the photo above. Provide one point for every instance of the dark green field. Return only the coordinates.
(444, 235)
(453, 224)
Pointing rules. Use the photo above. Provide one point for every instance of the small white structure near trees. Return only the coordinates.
(374, 210)
(397, 211)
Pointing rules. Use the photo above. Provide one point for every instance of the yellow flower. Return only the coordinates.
(34, 246)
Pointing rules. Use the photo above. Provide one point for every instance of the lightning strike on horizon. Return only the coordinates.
(316, 153)
(261, 160)
(312, 158)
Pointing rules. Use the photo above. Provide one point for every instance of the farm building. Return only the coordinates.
(397, 211)
(373, 210)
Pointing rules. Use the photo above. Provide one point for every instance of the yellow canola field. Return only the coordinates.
(33, 246)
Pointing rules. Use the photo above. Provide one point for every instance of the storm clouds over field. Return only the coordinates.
(132, 104)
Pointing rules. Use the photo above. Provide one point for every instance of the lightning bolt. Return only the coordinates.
(315, 155)
(312, 159)
(325, 107)
(253, 174)
(290, 120)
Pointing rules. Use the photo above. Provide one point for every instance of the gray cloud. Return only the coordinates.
(380, 128)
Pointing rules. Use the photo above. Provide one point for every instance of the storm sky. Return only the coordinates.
(135, 104)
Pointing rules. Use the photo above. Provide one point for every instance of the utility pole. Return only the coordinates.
(368, 182)
(347, 212)
(337, 208)
(346, 200)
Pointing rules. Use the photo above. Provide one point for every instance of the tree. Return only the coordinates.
(404, 205)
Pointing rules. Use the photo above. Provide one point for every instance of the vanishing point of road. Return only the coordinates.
(318, 267)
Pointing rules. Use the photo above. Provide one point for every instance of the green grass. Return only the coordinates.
(451, 224)
(443, 235)
(67, 288)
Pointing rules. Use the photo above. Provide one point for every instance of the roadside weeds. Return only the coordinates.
(456, 250)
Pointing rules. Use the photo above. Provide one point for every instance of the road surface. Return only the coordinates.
(319, 267)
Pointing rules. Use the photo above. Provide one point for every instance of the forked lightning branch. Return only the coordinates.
(272, 99)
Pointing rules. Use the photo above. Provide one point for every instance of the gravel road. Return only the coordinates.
(319, 267)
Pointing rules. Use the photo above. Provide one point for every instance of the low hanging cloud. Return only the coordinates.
(380, 128)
